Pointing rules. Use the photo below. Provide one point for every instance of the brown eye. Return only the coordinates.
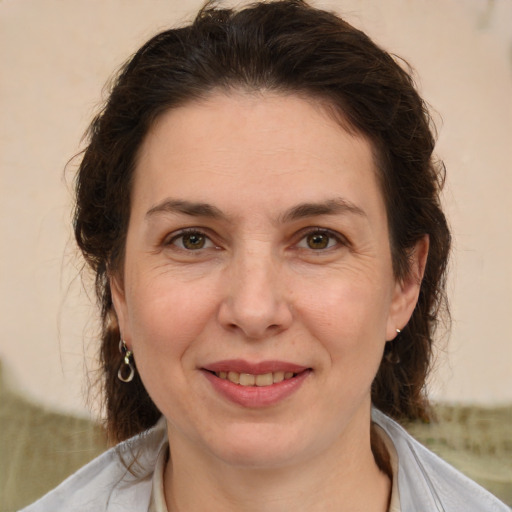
(318, 240)
(192, 241)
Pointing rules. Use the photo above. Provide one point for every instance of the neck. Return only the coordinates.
(343, 478)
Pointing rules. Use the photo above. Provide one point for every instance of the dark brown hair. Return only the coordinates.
(292, 48)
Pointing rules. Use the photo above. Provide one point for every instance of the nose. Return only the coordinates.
(255, 301)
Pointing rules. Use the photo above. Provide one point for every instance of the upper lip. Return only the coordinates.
(262, 367)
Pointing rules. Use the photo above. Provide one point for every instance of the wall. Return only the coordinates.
(55, 57)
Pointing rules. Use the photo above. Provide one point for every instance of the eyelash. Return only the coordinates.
(189, 232)
(303, 235)
(332, 235)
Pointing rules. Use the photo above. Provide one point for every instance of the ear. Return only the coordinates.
(406, 292)
(120, 307)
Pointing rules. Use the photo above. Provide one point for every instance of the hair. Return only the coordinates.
(285, 47)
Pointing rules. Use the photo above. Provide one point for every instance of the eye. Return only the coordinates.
(318, 240)
(191, 240)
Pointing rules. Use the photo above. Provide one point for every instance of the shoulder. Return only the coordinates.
(426, 482)
(117, 480)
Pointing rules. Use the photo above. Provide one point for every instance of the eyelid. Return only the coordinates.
(340, 239)
(170, 238)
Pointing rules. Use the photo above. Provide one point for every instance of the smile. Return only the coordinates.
(255, 385)
(260, 380)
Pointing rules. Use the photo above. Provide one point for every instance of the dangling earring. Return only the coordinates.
(127, 363)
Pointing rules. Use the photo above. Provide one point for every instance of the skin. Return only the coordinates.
(252, 282)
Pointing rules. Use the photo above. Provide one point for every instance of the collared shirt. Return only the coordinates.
(422, 482)
(157, 500)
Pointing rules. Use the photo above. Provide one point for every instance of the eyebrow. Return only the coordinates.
(186, 207)
(300, 211)
(328, 207)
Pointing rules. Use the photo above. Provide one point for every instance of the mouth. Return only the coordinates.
(258, 380)
(256, 385)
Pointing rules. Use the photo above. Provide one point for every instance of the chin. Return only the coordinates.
(260, 446)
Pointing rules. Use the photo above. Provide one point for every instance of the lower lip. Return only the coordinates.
(256, 396)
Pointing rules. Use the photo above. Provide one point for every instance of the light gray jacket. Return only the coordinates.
(425, 482)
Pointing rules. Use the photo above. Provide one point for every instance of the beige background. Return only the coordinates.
(56, 55)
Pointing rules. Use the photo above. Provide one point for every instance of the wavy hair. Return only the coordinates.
(292, 48)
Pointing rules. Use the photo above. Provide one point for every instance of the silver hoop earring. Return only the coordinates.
(127, 363)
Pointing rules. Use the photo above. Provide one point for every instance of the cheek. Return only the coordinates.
(167, 317)
(349, 319)
(358, 307)
(167, 324)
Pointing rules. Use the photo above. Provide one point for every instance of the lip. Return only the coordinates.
(254, 396)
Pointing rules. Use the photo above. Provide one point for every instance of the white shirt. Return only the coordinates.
(157, 499)
(422, 482)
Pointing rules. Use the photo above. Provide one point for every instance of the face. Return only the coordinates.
(257, 291)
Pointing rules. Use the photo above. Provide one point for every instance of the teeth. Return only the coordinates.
(247, 380)
(234, 377)
(278, 377)
(262, 380)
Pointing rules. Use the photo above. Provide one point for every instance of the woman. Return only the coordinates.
(260, 205)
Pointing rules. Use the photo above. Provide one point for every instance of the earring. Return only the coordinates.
(398, 331)
(127, 363)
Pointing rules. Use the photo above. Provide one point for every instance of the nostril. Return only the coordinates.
(256, 318)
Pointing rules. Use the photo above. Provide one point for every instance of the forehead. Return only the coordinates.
(270, 146)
